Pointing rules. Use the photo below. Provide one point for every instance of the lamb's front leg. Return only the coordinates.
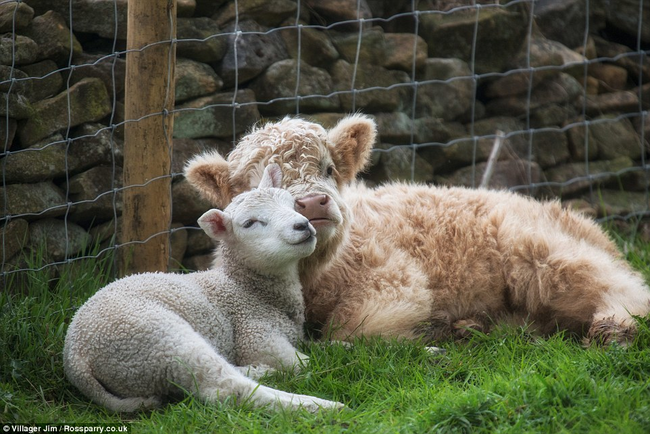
(255, 372)
(271, 350)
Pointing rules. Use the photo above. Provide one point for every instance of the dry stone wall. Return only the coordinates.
(569, 91)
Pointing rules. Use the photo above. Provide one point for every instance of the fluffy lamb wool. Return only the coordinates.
(149, 337)
(413, 261)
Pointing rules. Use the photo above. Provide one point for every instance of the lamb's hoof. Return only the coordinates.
(318, 404)
(609, 331)
(435, 351)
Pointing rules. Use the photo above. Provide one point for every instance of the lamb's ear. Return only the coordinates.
(353, 138)
(215, 223)
(209, 174)
(272, 177)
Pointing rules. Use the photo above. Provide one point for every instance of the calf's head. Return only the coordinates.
(316, 163)
(262, 227)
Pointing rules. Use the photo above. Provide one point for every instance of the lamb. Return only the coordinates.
(429, 262)
(146, 338)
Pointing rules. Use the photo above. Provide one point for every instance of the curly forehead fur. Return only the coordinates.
(300, 148)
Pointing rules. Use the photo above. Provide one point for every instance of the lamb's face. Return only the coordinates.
(266, 231)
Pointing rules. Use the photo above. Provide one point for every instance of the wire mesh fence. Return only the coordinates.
(561, 85)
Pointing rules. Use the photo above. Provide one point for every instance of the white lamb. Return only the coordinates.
(149, 337)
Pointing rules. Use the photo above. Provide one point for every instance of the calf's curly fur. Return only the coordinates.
(404, 260)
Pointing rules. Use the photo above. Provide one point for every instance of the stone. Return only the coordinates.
(553, 115)
(207, 8)
(207, 46)
(30, 201)
(567, 180)
(558, 89)
(610, 202)
(509, 174)
(564, 20)
(316, 47)
(16, 81)
(266, 12)
(401, 49)
(198, 262)
(14, 235)
(93, 144)
(541, 52)
(198, 242)
(62, 240)
(178, 244)
(18, 50)
(89, 16)
(550, 148)
(43, 161)
(624, 57)
(46, 79)
(381, 94)
(400, 163)
(395, 128)
(86, 101)
(8, 129)
(15, 16)
(327, 120)
(372, 48)
(624, 15)
(95, 195)
(185, 8)
(614, 102)
(499, 34)
(445, 89)
(336, 11)
(194, 79)
(515, 144)
(609, 137)
(611, 77)
(184, 149)
(110, 69)
(280, 81)
(212, 116)
(99, 16)
(15, 106)
(188, 204)
(256, 50)
(53, 37)
(52, 159)
(105, 232)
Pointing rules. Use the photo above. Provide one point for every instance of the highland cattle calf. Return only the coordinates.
(416, 261)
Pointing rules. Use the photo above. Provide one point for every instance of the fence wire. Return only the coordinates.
(110, 53)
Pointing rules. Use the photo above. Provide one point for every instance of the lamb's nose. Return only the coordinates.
(301, 226)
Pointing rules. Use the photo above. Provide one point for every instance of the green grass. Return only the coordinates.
(506, 382)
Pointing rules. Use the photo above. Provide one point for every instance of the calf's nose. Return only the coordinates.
(314, 206)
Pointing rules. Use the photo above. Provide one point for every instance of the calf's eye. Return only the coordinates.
(330, 170)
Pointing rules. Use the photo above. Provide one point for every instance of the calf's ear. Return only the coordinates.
(272, 177)
(209, 174)
(215, 223)
(353, 138)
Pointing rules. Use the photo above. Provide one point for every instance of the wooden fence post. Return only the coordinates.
(149, 100)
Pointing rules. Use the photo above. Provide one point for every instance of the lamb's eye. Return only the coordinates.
(248, 223)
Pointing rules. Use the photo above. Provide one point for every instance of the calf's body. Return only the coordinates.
(406, 260)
